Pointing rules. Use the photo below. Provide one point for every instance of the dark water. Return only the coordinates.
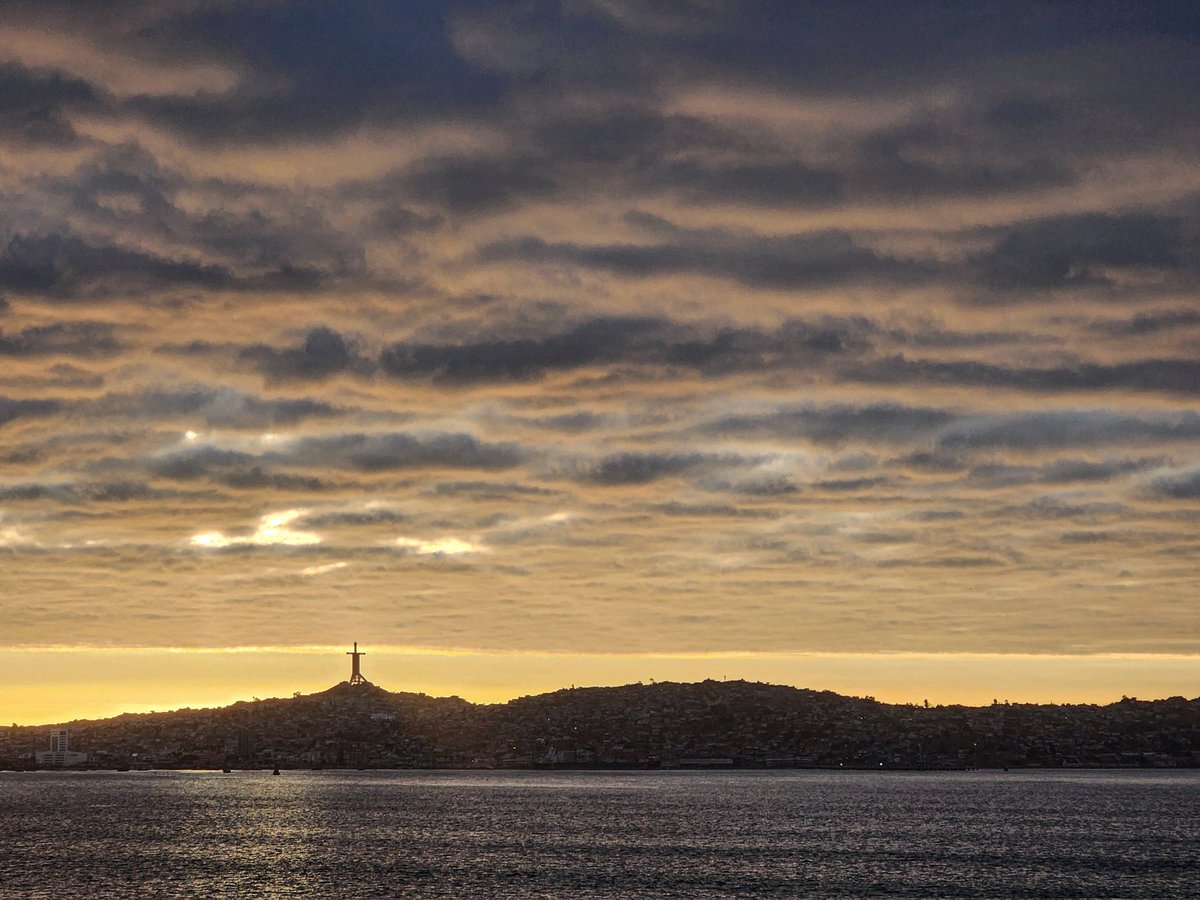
(587, 834)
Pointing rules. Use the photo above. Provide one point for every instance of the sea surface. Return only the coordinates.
(600, 834)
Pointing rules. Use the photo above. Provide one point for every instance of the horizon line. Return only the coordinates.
(425, 650)
(573, 687)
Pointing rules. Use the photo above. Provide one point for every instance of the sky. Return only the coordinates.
(853, 346)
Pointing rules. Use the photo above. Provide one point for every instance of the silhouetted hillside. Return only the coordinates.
(710, 724)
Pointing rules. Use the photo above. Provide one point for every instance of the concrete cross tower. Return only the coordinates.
(355, 673)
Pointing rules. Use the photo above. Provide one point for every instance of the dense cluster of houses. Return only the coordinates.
(709, 724)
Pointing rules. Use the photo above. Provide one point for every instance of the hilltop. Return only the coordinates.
(709, 723)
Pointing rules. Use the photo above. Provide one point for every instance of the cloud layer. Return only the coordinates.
(579, 326)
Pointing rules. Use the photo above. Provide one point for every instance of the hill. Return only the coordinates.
(709, 723)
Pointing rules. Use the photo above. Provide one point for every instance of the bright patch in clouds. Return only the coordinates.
(272, 530)
(12, 537)
(321, 570)
(449, 546)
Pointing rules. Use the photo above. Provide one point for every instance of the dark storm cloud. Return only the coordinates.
(879, 422)
(256, 478)
(329, 69)
(948, 434)
(97, 492)
(60, 376)
(653, 148)
(1069, 470)
(795, 261)
(370, 516)
(61, 338)
(35, 106)
(985, 143)
(641, 468)
(15, 408)
(397, 451)
(112, 14)
(935, 461)
(960, 562)
(954, 156)
(267, 467)
(598, 340)
(790, 183)
(729, 473)
(799, 344)
(999, 474)
(862, 47)
(575, 423)
(650, 152)
(710, 510)
(773, 486)
(1146, 323)
(323, 353)
(1182, 484)
(922, 159)
(415, 63)
(393, 219)
(128, 172)
(33, 491)
(915, 160)
(1087, 537)
(632, 340)
(936, 515)
(794, 344)
(199, 462)
(1062, 471)
(98, 223)
(632, 468)
(1076, 250)
(464, 185)
(1069, 428)
(489, 490)
(254, 230)
(853, 484)
(564, 156)
(827, 50)
(66, 267)
(927, 336)
(1168, 376)
(1059, 507)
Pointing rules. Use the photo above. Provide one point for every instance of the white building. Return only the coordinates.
(60, 753)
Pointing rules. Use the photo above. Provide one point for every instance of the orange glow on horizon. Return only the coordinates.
(48, 685)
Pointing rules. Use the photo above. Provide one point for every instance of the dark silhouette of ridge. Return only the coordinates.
(708, 723)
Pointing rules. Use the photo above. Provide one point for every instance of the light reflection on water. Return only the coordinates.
(592, 834)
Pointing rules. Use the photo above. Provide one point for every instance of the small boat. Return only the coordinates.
(227, 770)
(276, 772)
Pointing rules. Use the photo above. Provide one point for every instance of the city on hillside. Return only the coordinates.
(709, 724)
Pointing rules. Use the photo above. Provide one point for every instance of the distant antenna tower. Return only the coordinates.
(355, 673)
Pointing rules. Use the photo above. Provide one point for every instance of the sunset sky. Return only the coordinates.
(852, 346)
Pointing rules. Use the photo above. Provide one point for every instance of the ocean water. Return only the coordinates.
(600, 834)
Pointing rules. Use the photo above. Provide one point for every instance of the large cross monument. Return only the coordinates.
(355, 673)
